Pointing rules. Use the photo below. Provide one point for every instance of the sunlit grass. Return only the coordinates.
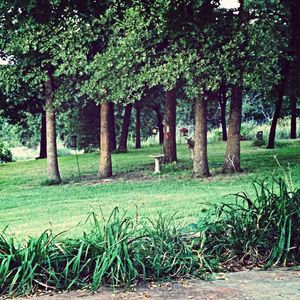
(28, 206)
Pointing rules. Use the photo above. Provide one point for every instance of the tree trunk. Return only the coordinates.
(280, 94)
(138, 126)
(105, 165)
(293, 117)
(160, 124)
(125, 128)
(232, 161)
(232, 157)
(43, 141)
(272, 134)
(112, 126)
(100, 126)
(294, 7)
(223, 102)
(52, 162)
(170, 127)
(200, 161)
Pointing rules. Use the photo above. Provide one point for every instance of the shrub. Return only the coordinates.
(247, 130)
(258, 143)
(215, 135)
(5, 154)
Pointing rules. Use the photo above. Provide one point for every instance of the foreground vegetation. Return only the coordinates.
(120, 250)
(29, 206)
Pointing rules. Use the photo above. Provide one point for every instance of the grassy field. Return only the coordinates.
(28, 206)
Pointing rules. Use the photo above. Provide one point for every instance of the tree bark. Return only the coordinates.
(223, 102)
(105, 165)
(160, 124)
(232, 157)
(138, 126)
(293, 134)
(43, 141)
(280, 94)
(52, 162)
(170, 127)
(294, 7)
(100, 126)
(200, 161)
(112, 126)
(125, 128)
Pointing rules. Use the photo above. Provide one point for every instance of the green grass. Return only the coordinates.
(28, 206)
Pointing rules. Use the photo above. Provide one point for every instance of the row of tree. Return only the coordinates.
(63, 52)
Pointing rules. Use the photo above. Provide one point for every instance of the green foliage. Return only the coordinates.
(120, 250)
(215, 135)
(5, 154)
(258, 143)
(260, 231)
(117, 251)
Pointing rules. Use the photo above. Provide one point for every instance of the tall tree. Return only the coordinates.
(280, 90)
(170, 153)
(200, 162)
(294, 17)
(293, 134)
(112, 127)
(232, 156)
(105, 165)
(43, 139)
(159, 116)
(125, 128)
(138, 125)
(223, 102)
(26, 36)
(52, 162)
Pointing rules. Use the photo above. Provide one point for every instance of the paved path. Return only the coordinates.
(253, 285)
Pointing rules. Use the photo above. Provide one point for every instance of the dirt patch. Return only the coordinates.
(248, 285)
(133, 176)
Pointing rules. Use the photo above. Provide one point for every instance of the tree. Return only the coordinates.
(223, 102)
(294, 16)
(125, 128)
(112, 126)
(52, 162)
(105, 165)
(20, 99)
(170, 154)
(200, 162)
(138, 126)
(29, 32)
(280, 90)
(232, 156)
(43, 141)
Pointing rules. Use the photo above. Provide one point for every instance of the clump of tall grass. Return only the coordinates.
(264, 231)
(117, 251)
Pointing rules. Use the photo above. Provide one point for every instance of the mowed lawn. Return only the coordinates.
(28, 206)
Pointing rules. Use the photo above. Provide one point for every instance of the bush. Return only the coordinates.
(215, 135)
(258, 143)
(5, 154)
(247, 130)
